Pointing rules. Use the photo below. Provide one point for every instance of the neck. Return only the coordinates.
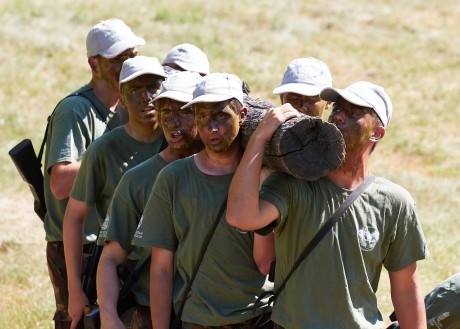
(144, 134)
(352, 171)
(106, 93)
(219, 163)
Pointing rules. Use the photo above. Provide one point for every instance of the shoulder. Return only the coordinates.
(106, 139)
(179, 166)
(144, 169)
(392, 191)
(75, 103)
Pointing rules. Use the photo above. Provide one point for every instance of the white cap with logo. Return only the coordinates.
(189, 57)
(218, 87)
(305, 76)
(140, 65)
(180, 86)
(110, 38)
(363, 93)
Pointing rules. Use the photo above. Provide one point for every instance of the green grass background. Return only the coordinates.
(411, 47)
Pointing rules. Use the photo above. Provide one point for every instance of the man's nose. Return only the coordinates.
(212, 125)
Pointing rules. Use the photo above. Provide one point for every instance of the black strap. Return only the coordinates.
(203, 250)
(319, 236)
(42, 147)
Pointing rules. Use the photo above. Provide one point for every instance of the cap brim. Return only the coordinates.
(208, 99)
(192, 67)
(298, 88)
(333, 94)
(121, 46)
(139, 73)
(175, 95)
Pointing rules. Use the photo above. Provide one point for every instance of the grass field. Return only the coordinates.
(411, 47)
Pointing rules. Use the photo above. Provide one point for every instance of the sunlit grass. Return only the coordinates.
(410, 47)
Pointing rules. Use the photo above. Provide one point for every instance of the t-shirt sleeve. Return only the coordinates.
(70, 135)
(274, 190)
(122, 217)
(156, 228)
(409, 244)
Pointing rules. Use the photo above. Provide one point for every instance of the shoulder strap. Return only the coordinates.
(200, 259)
(42, 147)
(320, 235)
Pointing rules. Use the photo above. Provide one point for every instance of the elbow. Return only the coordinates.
(232, 220)
(59, 192)
(235, 221)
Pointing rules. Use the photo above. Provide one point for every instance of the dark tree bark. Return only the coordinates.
(305, 147)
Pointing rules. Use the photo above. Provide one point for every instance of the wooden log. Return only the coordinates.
(305, 147)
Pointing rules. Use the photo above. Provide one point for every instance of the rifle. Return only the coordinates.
(29, 167)
(89, 280)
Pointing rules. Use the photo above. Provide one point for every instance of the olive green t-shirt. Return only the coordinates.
(335, 286)
(76, 122)
(179, 214)
(103, 165)
(125, 212)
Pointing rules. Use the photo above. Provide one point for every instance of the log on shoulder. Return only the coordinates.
(305, 147)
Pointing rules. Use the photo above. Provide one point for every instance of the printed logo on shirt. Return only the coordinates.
(105, 225)
(139, 233)
(368, 238)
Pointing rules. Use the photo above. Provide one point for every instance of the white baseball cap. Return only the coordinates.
(363, 93)
(140, 65)
(305, 76)
(189, 57)
(217, 87)
(110, 38)
(180, 86)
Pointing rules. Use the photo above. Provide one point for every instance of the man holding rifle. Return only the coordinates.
(77, 121)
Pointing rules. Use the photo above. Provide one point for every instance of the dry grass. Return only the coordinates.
(410, 47)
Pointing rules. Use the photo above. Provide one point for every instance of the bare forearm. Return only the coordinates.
(244, 210)
(264, 252)
(108, 289)
(62, 178)
(161, 287)
(243, 195)
(73, 241)
(407, 297)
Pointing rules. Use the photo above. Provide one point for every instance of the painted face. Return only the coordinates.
(110, 67)
(311, 105)
(178, 124)
(218, 124)
(355, 122)
(136, 95)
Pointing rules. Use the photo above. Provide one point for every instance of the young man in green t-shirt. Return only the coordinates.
(106, 160)
(77, 121)
(131, 195)
(180, 212)
(335, 286)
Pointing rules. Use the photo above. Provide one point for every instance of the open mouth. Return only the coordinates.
(175, 136)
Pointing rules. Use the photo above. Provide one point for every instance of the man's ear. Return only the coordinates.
(243, 114)
(92, 61)
(377, 134)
